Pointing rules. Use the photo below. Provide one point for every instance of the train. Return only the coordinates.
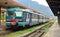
(18, 17)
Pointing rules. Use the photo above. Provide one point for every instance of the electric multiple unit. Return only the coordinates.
(22, 18)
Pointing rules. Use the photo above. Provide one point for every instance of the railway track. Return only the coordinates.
(39, 32)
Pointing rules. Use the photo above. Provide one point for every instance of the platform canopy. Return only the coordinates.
(11, 3)
(55, 6)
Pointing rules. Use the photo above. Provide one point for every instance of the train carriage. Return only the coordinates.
(21, 17)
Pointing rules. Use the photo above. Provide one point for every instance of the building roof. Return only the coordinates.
(55, 6)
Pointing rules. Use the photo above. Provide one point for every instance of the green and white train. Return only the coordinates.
(17, 17)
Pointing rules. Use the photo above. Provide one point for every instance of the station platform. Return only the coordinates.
(54, 30)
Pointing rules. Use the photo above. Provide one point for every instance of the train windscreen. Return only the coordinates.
(18, 14)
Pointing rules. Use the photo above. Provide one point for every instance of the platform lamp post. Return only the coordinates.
(58, 17)
(59, 20)
(0, 16)
(3, 10)
(3, 14)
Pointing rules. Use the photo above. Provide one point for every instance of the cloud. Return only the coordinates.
(43, 2)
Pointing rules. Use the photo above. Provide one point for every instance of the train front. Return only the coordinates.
(13, 17)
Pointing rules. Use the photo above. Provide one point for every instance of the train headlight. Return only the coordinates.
(19, 20)
(13, 23)
(8, 20)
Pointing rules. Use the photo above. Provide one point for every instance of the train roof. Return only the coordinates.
(31, 11)
(20, 9)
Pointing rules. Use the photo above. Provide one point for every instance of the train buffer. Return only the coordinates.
(54, 31)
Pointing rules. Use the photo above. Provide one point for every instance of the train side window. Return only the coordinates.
(39, 16)
(43, 17)
(33, 16)
(28, 15)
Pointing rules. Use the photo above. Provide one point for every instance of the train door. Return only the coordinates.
(38, 18)
(25, 16)
(29, 19)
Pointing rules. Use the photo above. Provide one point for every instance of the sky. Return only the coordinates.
(43, 2)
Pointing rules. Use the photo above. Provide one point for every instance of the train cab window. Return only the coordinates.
(10, 13)
(18, 14)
